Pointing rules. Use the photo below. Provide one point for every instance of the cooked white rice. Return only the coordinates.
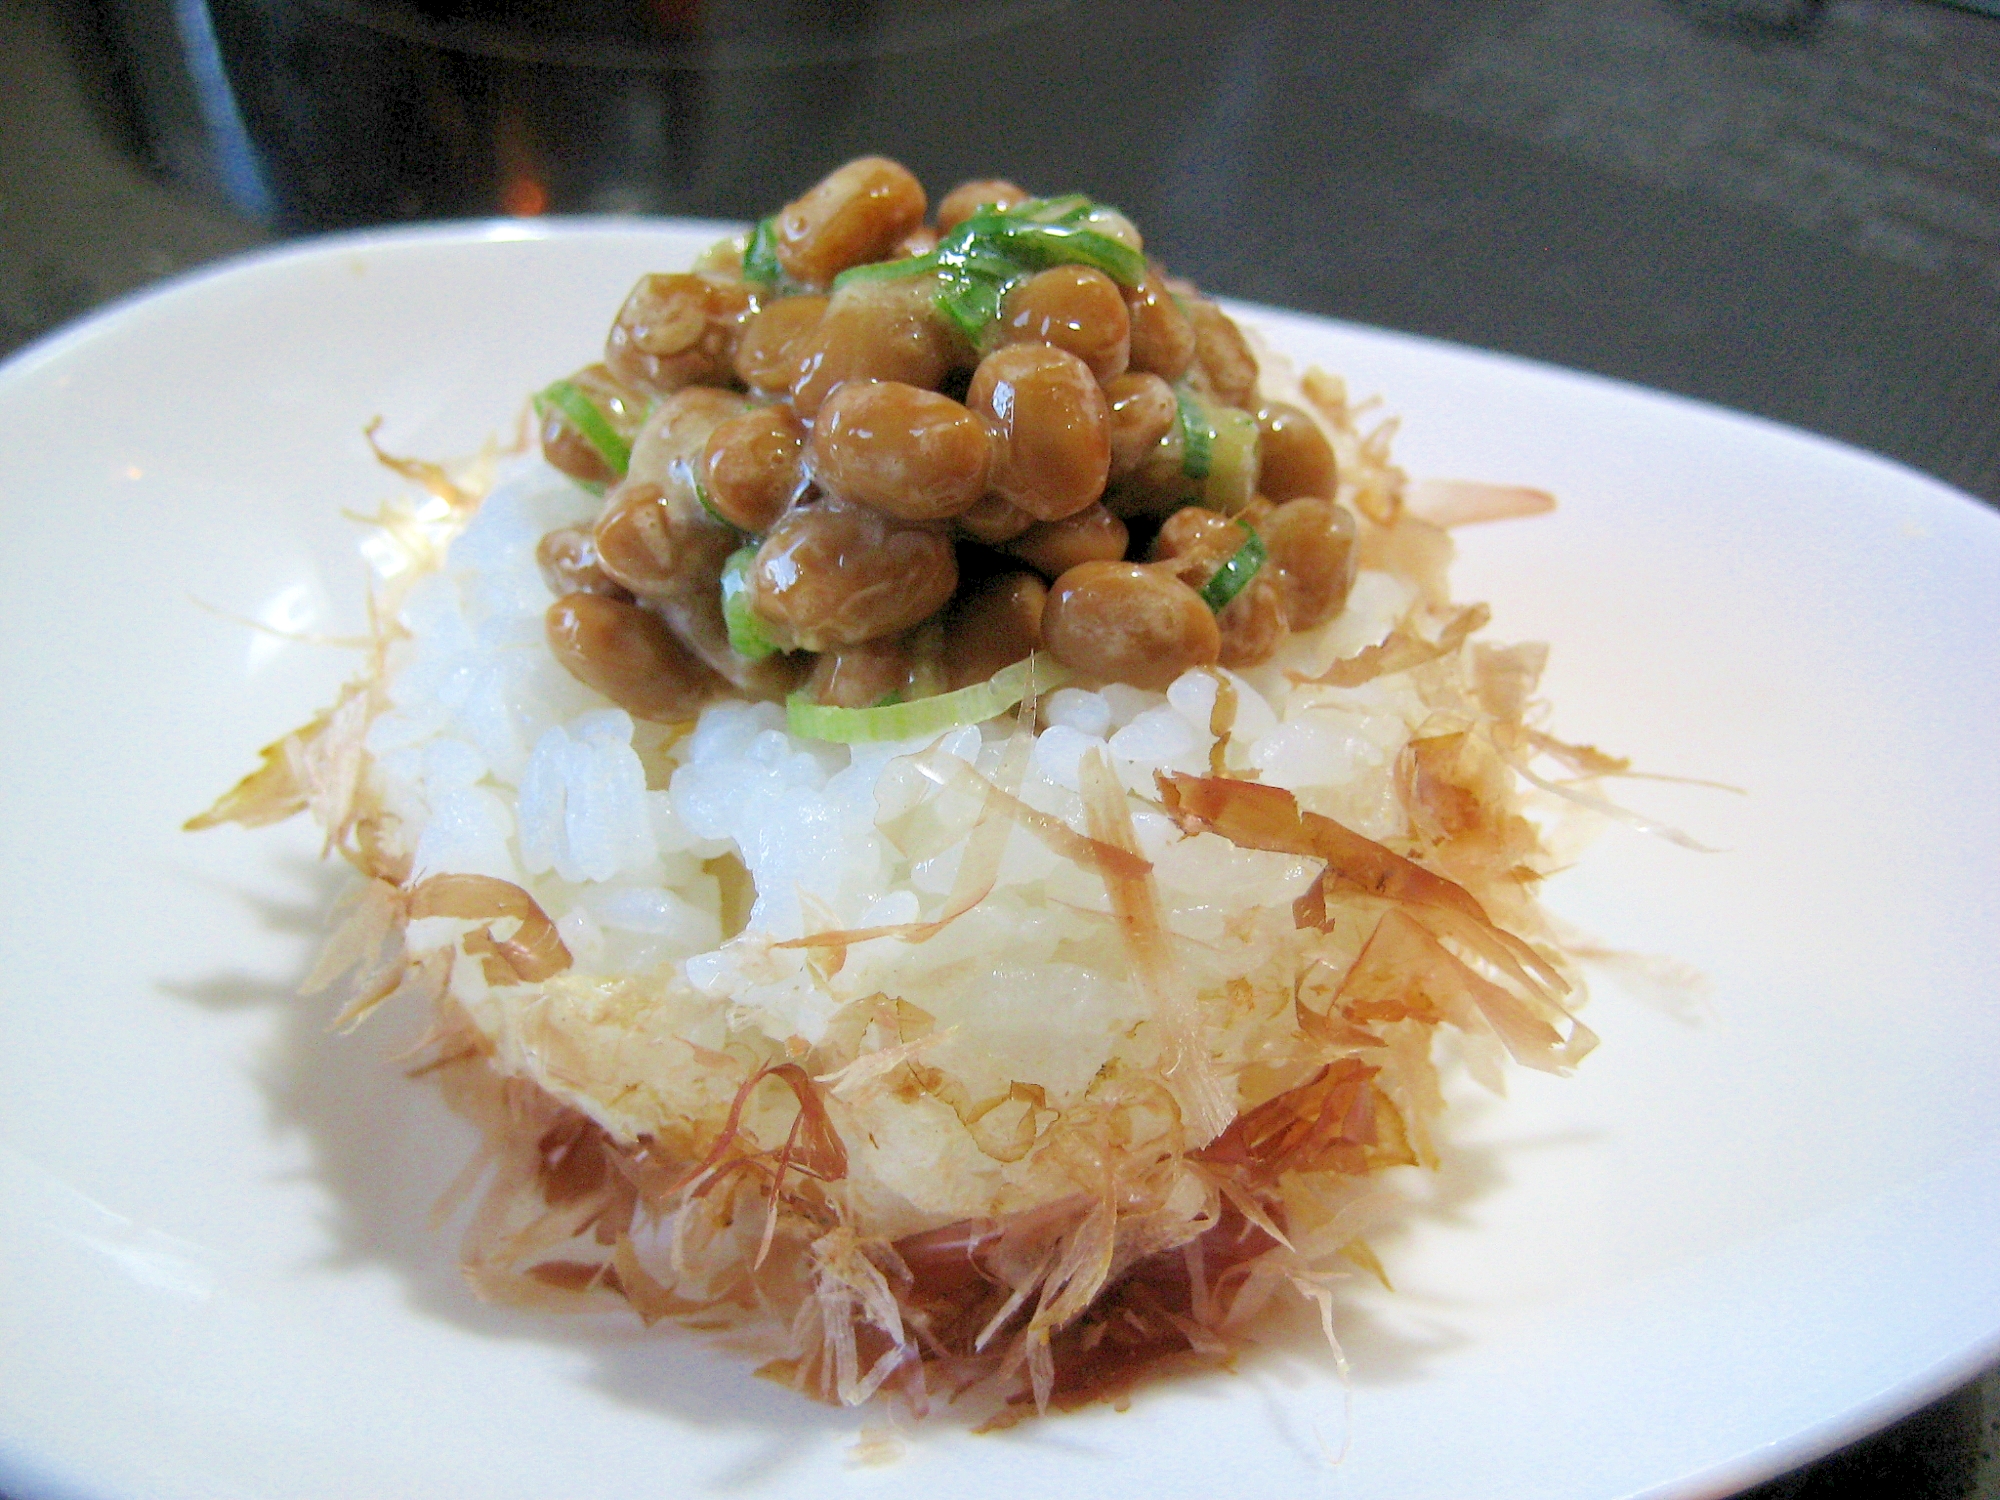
(503, 765)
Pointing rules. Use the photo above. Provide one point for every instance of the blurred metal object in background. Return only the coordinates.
(183, 102)
(320, 114)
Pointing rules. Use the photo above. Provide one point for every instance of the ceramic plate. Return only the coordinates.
(1760, 1220)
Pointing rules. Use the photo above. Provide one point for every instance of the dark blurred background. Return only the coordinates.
(1789, 207)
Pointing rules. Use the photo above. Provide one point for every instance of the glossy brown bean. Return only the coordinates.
(670, 445)
(1158, 484)
(695, 614)
(567, 558)
(1197, 541)
(965, 200)
(1052, 450)
(907, 452)
(677, 330)
(862, 676)
(835, 574)
(567, 449)
(1052, 548)
(1153, 493)
(1124, 622)
(1310, 544)
(993, 625)
(1142, 411)
(657, 538)
(1252, 625)
(855, 214)
(774, 339)
(993, 520)
(1162, 338)
(670, 552)
(875, 330)
(1255, 513)
(634, 539)
(1223, 368)
(752, 467)
(628, 654)
(1294, 456)
(722, 259)
(1076, 308)
(653, 535)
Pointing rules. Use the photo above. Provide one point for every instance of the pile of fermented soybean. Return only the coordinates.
(948, 818)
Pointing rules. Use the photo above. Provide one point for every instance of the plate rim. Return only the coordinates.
(26, 363)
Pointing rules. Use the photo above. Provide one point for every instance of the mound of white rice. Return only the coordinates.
(505, 766)
(989, 1057)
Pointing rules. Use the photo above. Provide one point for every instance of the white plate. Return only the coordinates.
(1734, 1240)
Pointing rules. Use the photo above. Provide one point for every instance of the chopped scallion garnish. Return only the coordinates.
(1039, 246)
(568, 400)
(1219, 452)
(887, 270)
(760, 256)
(971, 306)
(924, 716)
(1234, 576)
(1197, 435)
(747, 635)
(980, 259)
(1067, 209)
(1232, 460)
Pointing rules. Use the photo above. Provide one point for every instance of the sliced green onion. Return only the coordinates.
(1232, 460)
(1043, 245)
(990, 251)
(971, 305)
(760, 256)
(981, 276)
(747, 635)
(887, 270)
(568, 399)
(923, 716)
(1197, 435)
(1234, 576)
(1067, 209)
(979, 259)
(977, 228)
